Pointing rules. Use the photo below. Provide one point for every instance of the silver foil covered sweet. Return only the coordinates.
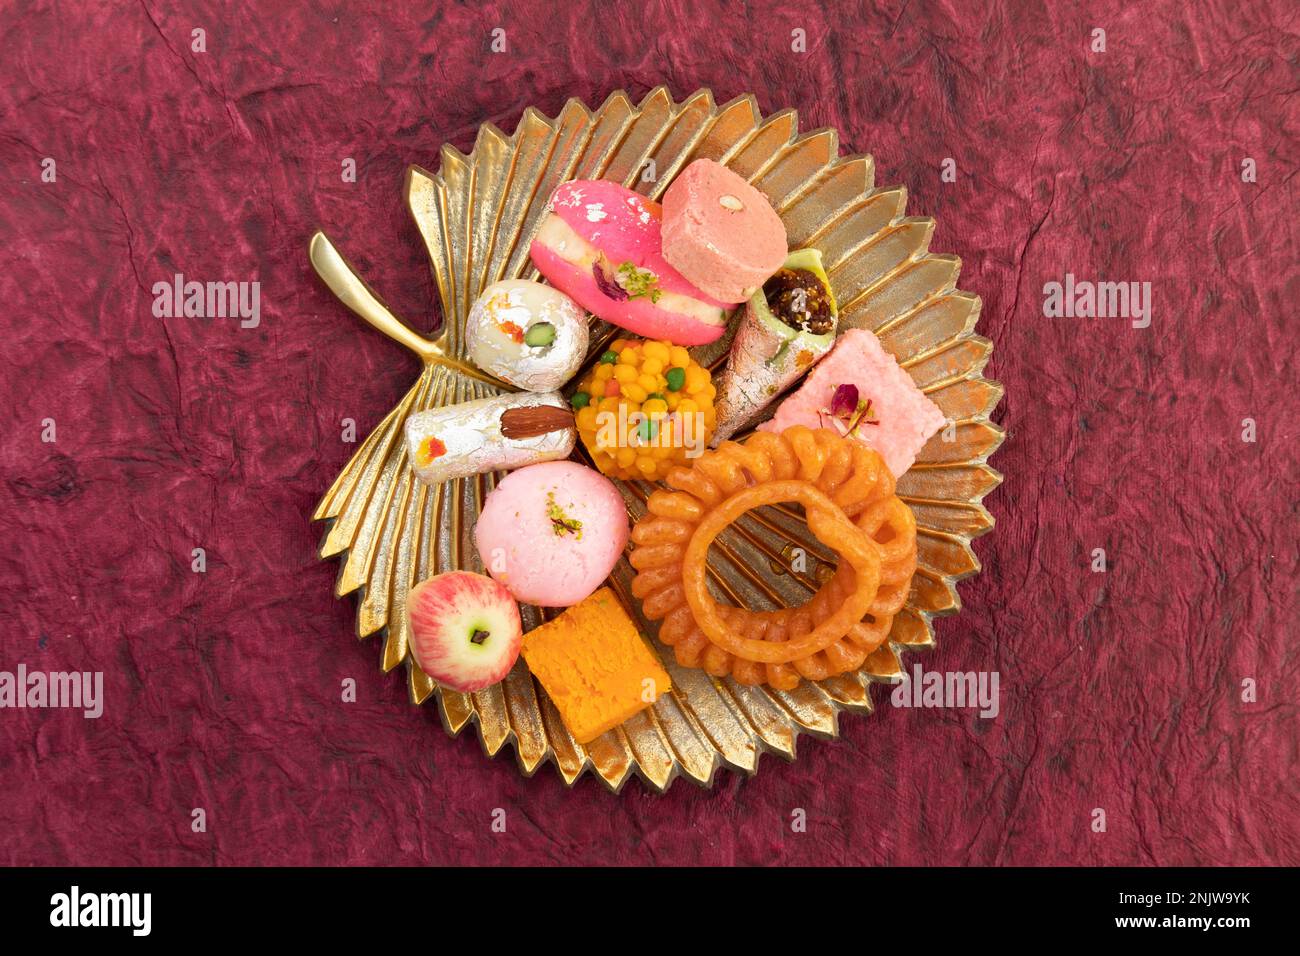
(509, 311)
(472, 442)
(767, 356)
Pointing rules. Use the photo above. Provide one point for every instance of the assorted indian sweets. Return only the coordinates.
(671, 276)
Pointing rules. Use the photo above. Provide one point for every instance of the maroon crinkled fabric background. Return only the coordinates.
(1119, 690)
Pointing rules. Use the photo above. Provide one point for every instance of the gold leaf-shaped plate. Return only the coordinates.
(477, 215)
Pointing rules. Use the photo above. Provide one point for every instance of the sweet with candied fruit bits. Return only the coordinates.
(645, 408)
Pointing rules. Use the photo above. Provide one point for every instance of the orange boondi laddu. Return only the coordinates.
(666, 399)
(595, 665)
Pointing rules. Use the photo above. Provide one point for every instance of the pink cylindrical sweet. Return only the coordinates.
(551, 533)
(720, 232)
(600, 246)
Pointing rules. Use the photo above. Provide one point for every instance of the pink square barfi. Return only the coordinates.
(905, 418)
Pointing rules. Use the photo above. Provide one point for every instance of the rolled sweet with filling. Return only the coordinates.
(787, 327)
(600, 244)
(489, 434)
(527, 334)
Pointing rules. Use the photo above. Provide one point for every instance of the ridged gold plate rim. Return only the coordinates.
(477, 215)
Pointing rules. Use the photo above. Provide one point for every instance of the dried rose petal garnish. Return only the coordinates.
(607, 285)
(848, 411)
(845, 401)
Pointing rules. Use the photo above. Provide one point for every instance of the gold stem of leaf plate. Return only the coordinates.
(352, 291)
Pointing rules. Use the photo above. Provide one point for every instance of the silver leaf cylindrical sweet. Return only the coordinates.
(466, 439)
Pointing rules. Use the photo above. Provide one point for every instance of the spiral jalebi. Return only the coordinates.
(847, 494)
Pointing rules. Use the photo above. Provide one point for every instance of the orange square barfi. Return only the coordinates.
(595, 665)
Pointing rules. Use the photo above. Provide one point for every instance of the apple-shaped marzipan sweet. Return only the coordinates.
(465, 629)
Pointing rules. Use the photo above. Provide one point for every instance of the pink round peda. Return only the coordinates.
(552, 532)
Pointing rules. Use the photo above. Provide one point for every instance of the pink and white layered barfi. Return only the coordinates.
(600, 245)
